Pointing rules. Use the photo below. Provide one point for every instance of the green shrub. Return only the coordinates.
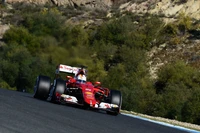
(191, 110)
(21, 36)
(170, 30)
(176, 73)
(174, 99)
(5, 85)
(176, 83)
(184, 23)
(10, 72)
(44, 23)
(175, 41)
(130, 30)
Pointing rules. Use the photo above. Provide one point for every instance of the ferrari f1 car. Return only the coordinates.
(76, 90)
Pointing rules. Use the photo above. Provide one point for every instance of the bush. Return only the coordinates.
(184, 23)
(10, 72)
(176, 73)
(130, 30)
(191, 110)
(5, 85)
(44, 23)
(176, 83)
(21, 36)
(170, 30)
(175, 41)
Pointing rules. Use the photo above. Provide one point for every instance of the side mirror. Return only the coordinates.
(71, 79)
(97, 84)
(68, 77)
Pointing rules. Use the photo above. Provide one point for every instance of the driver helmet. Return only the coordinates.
(80, 76)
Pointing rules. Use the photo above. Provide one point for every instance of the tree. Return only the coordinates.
(176, 83)
(21, 36)
(191, 110)
(176, 73)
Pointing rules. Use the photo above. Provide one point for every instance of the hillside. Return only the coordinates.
(72, 3)
(165, 8)
(168, 10)
(188, 48)
(147, 49)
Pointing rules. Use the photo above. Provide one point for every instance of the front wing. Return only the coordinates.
(103, 106)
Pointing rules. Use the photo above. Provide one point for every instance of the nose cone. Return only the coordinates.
(89, 95)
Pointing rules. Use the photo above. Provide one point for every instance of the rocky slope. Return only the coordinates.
(74, 3)
(167, 8)
(189, 48)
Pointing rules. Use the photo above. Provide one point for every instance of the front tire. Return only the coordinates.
(58, 88)
(115, 97)
(42, 87)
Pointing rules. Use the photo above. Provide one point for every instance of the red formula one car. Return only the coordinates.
(77, 90)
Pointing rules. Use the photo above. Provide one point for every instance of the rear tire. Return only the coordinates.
(42, 87)
(115, 97)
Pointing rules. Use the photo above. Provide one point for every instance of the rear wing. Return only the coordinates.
(67, 69)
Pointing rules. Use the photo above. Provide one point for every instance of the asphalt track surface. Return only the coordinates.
(21, 113)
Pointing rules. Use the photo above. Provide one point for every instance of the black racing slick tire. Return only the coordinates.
(59, 88)
(115, 97)
(42, 87)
